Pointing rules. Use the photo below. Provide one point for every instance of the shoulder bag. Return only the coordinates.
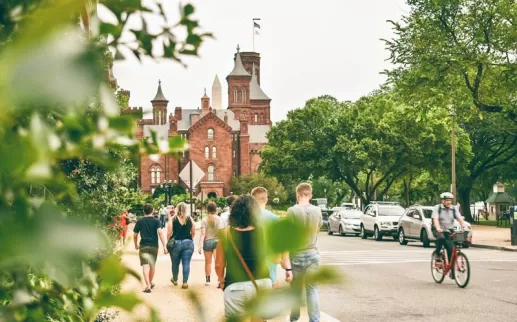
(172, 242)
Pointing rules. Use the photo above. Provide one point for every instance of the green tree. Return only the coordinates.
(494, 150)
(368, 144)
(459, 52)
(244, 184)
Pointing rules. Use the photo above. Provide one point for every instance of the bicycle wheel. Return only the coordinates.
(461, 270)
(438, 268)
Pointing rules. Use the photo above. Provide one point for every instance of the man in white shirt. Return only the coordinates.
(225, 216)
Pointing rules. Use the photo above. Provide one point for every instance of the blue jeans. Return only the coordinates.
(302, 265)
(182, 252)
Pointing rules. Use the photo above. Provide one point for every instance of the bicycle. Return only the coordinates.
(458, 266)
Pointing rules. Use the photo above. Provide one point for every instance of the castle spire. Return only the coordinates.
(159, 94)
(238, 68)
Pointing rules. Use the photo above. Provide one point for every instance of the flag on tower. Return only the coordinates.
(256, 25)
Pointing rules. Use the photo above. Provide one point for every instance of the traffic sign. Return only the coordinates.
(197, 174)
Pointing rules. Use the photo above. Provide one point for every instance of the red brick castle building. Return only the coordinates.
(222, 142)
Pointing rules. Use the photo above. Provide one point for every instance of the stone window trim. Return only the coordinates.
(211, 172)
(210, 134)
(155, 170)
(244, 95)
(235, 95)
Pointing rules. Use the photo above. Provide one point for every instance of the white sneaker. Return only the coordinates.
(207, 283)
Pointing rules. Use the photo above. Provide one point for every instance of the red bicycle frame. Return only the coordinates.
(454, 257)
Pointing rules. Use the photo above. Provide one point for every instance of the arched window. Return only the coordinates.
(256, 118)
(235, 95)
(234, 153)
(244, 95)
(156, 174)
(207, 152)
(214, 152)
(211, 173)
(210, 134)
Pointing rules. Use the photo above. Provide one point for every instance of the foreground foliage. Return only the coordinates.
(67, 155)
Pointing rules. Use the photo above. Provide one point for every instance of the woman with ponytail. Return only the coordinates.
(209, 231)
(182, 230)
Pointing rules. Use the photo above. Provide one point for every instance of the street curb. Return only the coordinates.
(503, 248)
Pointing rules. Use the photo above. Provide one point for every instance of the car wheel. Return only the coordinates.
(425, 239)
(377, 235)
(341, 231)
(402, 237)
(363, 233)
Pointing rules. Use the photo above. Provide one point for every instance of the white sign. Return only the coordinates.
(197, 174)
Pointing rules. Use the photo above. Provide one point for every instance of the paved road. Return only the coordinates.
(389, 282)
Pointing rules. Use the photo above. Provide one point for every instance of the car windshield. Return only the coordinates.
(351, 215)
(391, 211)
(428, 213)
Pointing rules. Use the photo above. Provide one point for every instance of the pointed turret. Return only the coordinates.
(256, 93)
(217, 95)
(159, 94)
(238, 68)
(159, 103)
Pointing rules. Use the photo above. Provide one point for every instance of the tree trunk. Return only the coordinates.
(464, 198)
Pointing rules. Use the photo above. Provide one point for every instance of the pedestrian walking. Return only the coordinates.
(163, 216)
(123, 221)
(210, 226)
(305, 260)
(148, 228)
(267, 218)
(240, 263)
(182, 230)
(226, 214)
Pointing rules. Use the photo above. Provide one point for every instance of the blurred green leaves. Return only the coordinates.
(67, 156)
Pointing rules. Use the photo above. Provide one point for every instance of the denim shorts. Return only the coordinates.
(209, 245)
(237, 295)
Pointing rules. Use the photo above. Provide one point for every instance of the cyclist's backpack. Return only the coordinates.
(433, 228)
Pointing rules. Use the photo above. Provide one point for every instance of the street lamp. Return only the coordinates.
(453, 152)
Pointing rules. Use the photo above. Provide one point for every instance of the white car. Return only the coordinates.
(345, 222)
(380, 219)
(415, 224)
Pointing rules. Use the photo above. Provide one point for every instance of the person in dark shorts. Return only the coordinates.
(149, 230)
(209, 236)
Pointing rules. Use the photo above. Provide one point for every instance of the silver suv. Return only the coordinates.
(415, 224)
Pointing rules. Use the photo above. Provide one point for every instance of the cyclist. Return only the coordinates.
(443, 221)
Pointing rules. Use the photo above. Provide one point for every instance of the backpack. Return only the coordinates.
(433, 228)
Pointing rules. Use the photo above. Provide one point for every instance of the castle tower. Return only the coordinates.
(238, 86)
(205, 104)
(251, 62)
(159, 106)
(217, 94)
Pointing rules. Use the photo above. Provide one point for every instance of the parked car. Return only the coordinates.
(345, 222)
(381, 219)
(415, 224)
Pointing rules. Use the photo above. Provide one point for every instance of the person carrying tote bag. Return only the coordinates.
(210, 226)
(240, 264)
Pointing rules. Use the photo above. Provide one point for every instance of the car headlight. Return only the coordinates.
(385, 223)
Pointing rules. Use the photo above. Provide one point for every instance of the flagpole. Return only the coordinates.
(254, 19)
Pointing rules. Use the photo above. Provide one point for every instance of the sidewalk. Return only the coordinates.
(173, 303)
(492, 238)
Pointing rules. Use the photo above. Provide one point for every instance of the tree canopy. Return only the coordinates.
(459, 52)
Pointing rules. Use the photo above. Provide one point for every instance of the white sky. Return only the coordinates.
(308, 48)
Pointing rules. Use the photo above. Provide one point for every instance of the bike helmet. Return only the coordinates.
(446, 195)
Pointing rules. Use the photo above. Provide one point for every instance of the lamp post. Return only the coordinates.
(453, 152)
